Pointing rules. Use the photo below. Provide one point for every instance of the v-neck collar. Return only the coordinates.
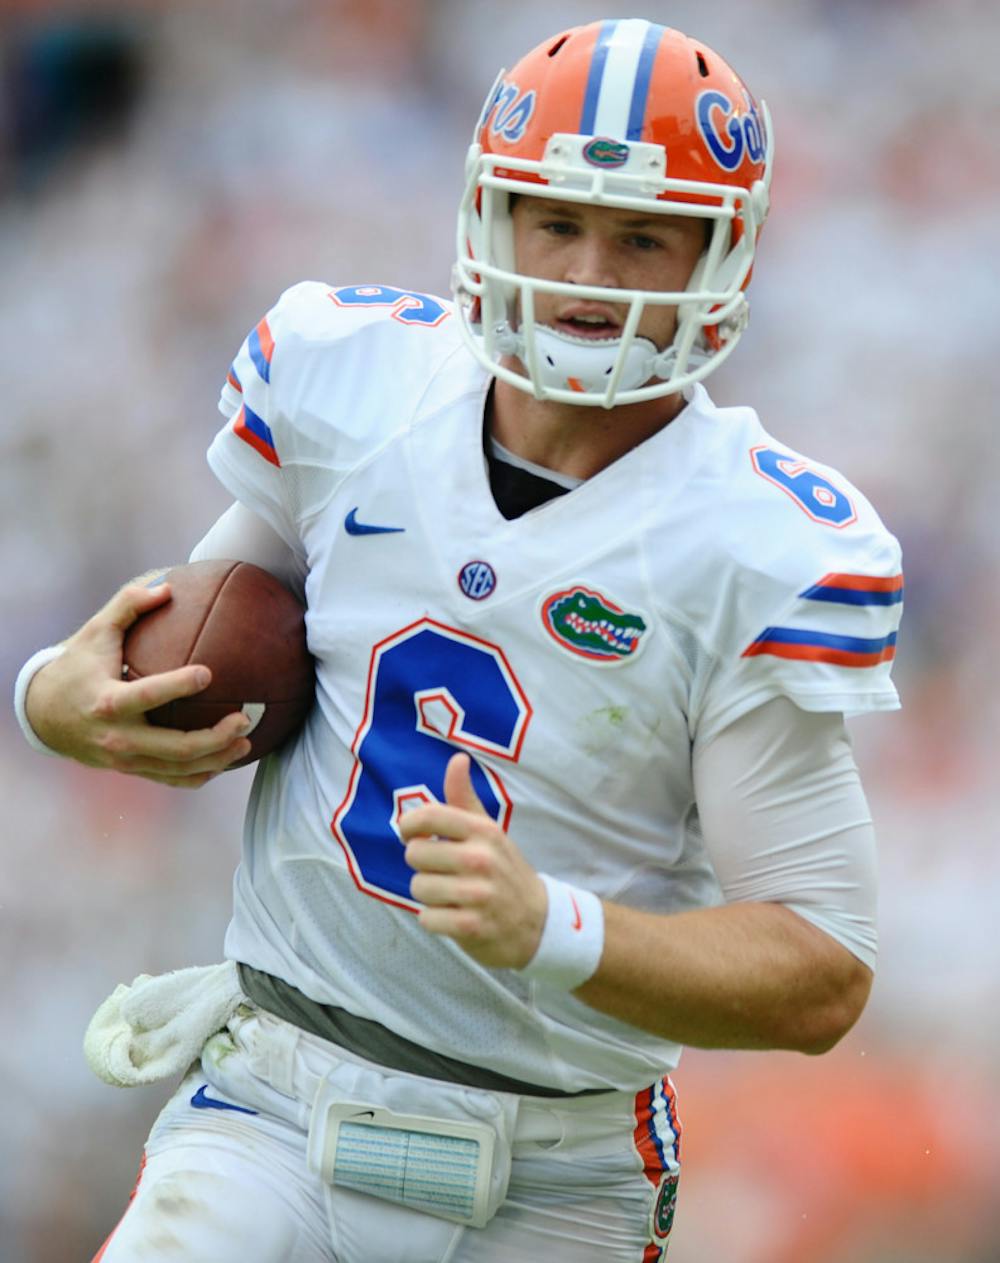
(449, 482)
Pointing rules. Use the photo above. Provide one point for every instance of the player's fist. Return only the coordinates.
(80, 707)
(474, 883)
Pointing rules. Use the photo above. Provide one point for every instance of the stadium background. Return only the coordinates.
(165, 171)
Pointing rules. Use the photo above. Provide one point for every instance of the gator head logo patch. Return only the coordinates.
(587, 624)
(604, 152)
(665, 1206)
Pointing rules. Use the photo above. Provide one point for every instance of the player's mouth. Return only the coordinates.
(592, 321)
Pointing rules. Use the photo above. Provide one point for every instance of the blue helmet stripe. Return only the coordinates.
(595, 77)
(643, 75)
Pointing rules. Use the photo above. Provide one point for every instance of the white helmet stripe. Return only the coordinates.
(629, 50)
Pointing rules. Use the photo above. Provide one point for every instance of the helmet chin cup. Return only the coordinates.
(585, 366)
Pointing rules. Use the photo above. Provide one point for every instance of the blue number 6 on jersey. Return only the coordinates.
(431, 690)
(815, 495)
(407, 305)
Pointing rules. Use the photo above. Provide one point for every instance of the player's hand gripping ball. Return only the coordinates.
(249, 630)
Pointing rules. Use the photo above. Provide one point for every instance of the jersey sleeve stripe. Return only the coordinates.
(260, 344)
(252, 429)
(817, 646)
(233, 380)
(857, 589)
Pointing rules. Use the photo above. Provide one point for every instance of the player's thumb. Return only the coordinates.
(458, 788)
(132, 601)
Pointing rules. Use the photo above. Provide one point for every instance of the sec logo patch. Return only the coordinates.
(477, 580)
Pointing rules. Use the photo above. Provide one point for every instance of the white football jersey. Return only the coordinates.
(575, 652)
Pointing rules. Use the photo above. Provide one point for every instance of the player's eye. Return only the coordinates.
(641, 242)
(559, 227)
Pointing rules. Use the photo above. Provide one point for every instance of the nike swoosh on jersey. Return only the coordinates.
(577, 919)
(354, 527)
(202, 1102)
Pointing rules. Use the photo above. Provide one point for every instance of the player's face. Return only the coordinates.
(598, 245)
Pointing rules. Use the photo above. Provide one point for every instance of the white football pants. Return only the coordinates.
(225, 1177)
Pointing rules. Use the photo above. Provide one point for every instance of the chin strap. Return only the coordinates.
(585, 366)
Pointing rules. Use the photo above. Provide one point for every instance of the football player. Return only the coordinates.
(577, 788)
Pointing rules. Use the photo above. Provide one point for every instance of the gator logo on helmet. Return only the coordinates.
(590, 626)
(604, 152)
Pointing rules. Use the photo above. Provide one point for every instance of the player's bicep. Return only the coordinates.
(242, 535)
(785, 819)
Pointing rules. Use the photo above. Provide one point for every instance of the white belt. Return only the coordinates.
(295, 1062)
(441, 1148)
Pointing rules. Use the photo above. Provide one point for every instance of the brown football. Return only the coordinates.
(245, 625)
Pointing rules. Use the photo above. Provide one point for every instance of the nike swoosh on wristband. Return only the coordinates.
(202, 1102)
(577, 919)
(354, 527)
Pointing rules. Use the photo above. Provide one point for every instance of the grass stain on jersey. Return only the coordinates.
(601, 728)
(615, 715)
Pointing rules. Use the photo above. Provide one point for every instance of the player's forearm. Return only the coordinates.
(747, 975)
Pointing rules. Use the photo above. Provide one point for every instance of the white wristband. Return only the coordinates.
(24, 677)
(573, 937)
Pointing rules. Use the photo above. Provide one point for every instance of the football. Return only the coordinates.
(249, 630)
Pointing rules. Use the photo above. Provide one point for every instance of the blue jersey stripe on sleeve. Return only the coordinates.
(260, 346)
(829, 640)
(845, 594)
(254, 430)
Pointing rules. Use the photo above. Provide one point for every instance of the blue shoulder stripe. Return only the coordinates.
(852, 596)
(850, 644)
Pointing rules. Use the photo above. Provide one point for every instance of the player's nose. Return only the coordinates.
(591, 262)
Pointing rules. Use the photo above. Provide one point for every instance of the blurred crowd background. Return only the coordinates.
(165, 171)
